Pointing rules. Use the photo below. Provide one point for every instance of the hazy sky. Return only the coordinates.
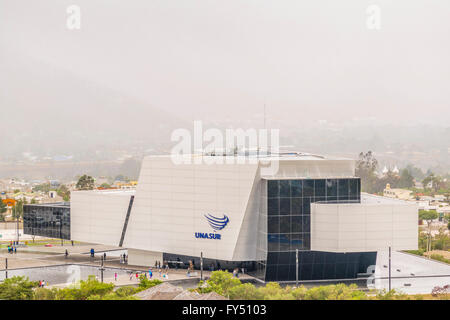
(216, 60)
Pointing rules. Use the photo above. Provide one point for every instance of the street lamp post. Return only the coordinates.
(296, 267)
(102, 269)
(389, 268)
(201, 265)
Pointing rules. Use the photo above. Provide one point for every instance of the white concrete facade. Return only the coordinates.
(98, 216)
(372, 225)
(171, 201)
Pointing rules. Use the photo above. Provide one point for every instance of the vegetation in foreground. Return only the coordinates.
(225, 284)
(20, 288)
(221, 282)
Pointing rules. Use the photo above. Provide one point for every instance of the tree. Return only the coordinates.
(406, 179)
(17, 210)
(3, 207)
(428, 216)
(435, 181)
(246, 291)
(85, 183)
(64, 192)
(145, 283)
(17, 288)
(131, 168)
(220, 282)
(417, 173)
(86, 290)
(365, 169)
(45, 187)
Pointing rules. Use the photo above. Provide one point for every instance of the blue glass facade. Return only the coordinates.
(47, 220)
(288, 215)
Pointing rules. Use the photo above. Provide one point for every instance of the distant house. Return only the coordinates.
(402, 194)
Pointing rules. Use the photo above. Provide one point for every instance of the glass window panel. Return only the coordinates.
(285, 188)
(285, 242)
(283, 273)
(273, 225)
(273, 206)
(296, 224)
(296, 188)
(308, 188)
(306, 223)
(307, 241)
(285, 206)
(306, 272)
(296, 241)
(306, 206)
(329, 271)
(331, 185)
(353, 186)
(340, 270)
(273, 242)
(343, 189)
(319, 188)
(318, 270)
(296, 206)
(285, 224)
(273, 190)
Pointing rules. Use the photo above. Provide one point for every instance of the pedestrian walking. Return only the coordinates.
(115, 276)
(137, 276)
(66, 254)
(150, 273)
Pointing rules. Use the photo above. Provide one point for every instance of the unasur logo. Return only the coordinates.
(216, 223)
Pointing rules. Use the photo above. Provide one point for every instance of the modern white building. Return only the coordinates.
(252, 212)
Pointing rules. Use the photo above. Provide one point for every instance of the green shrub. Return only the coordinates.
(145, 283)
(246, 291)
(419, 252)
(17, 288)
(439, 257)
